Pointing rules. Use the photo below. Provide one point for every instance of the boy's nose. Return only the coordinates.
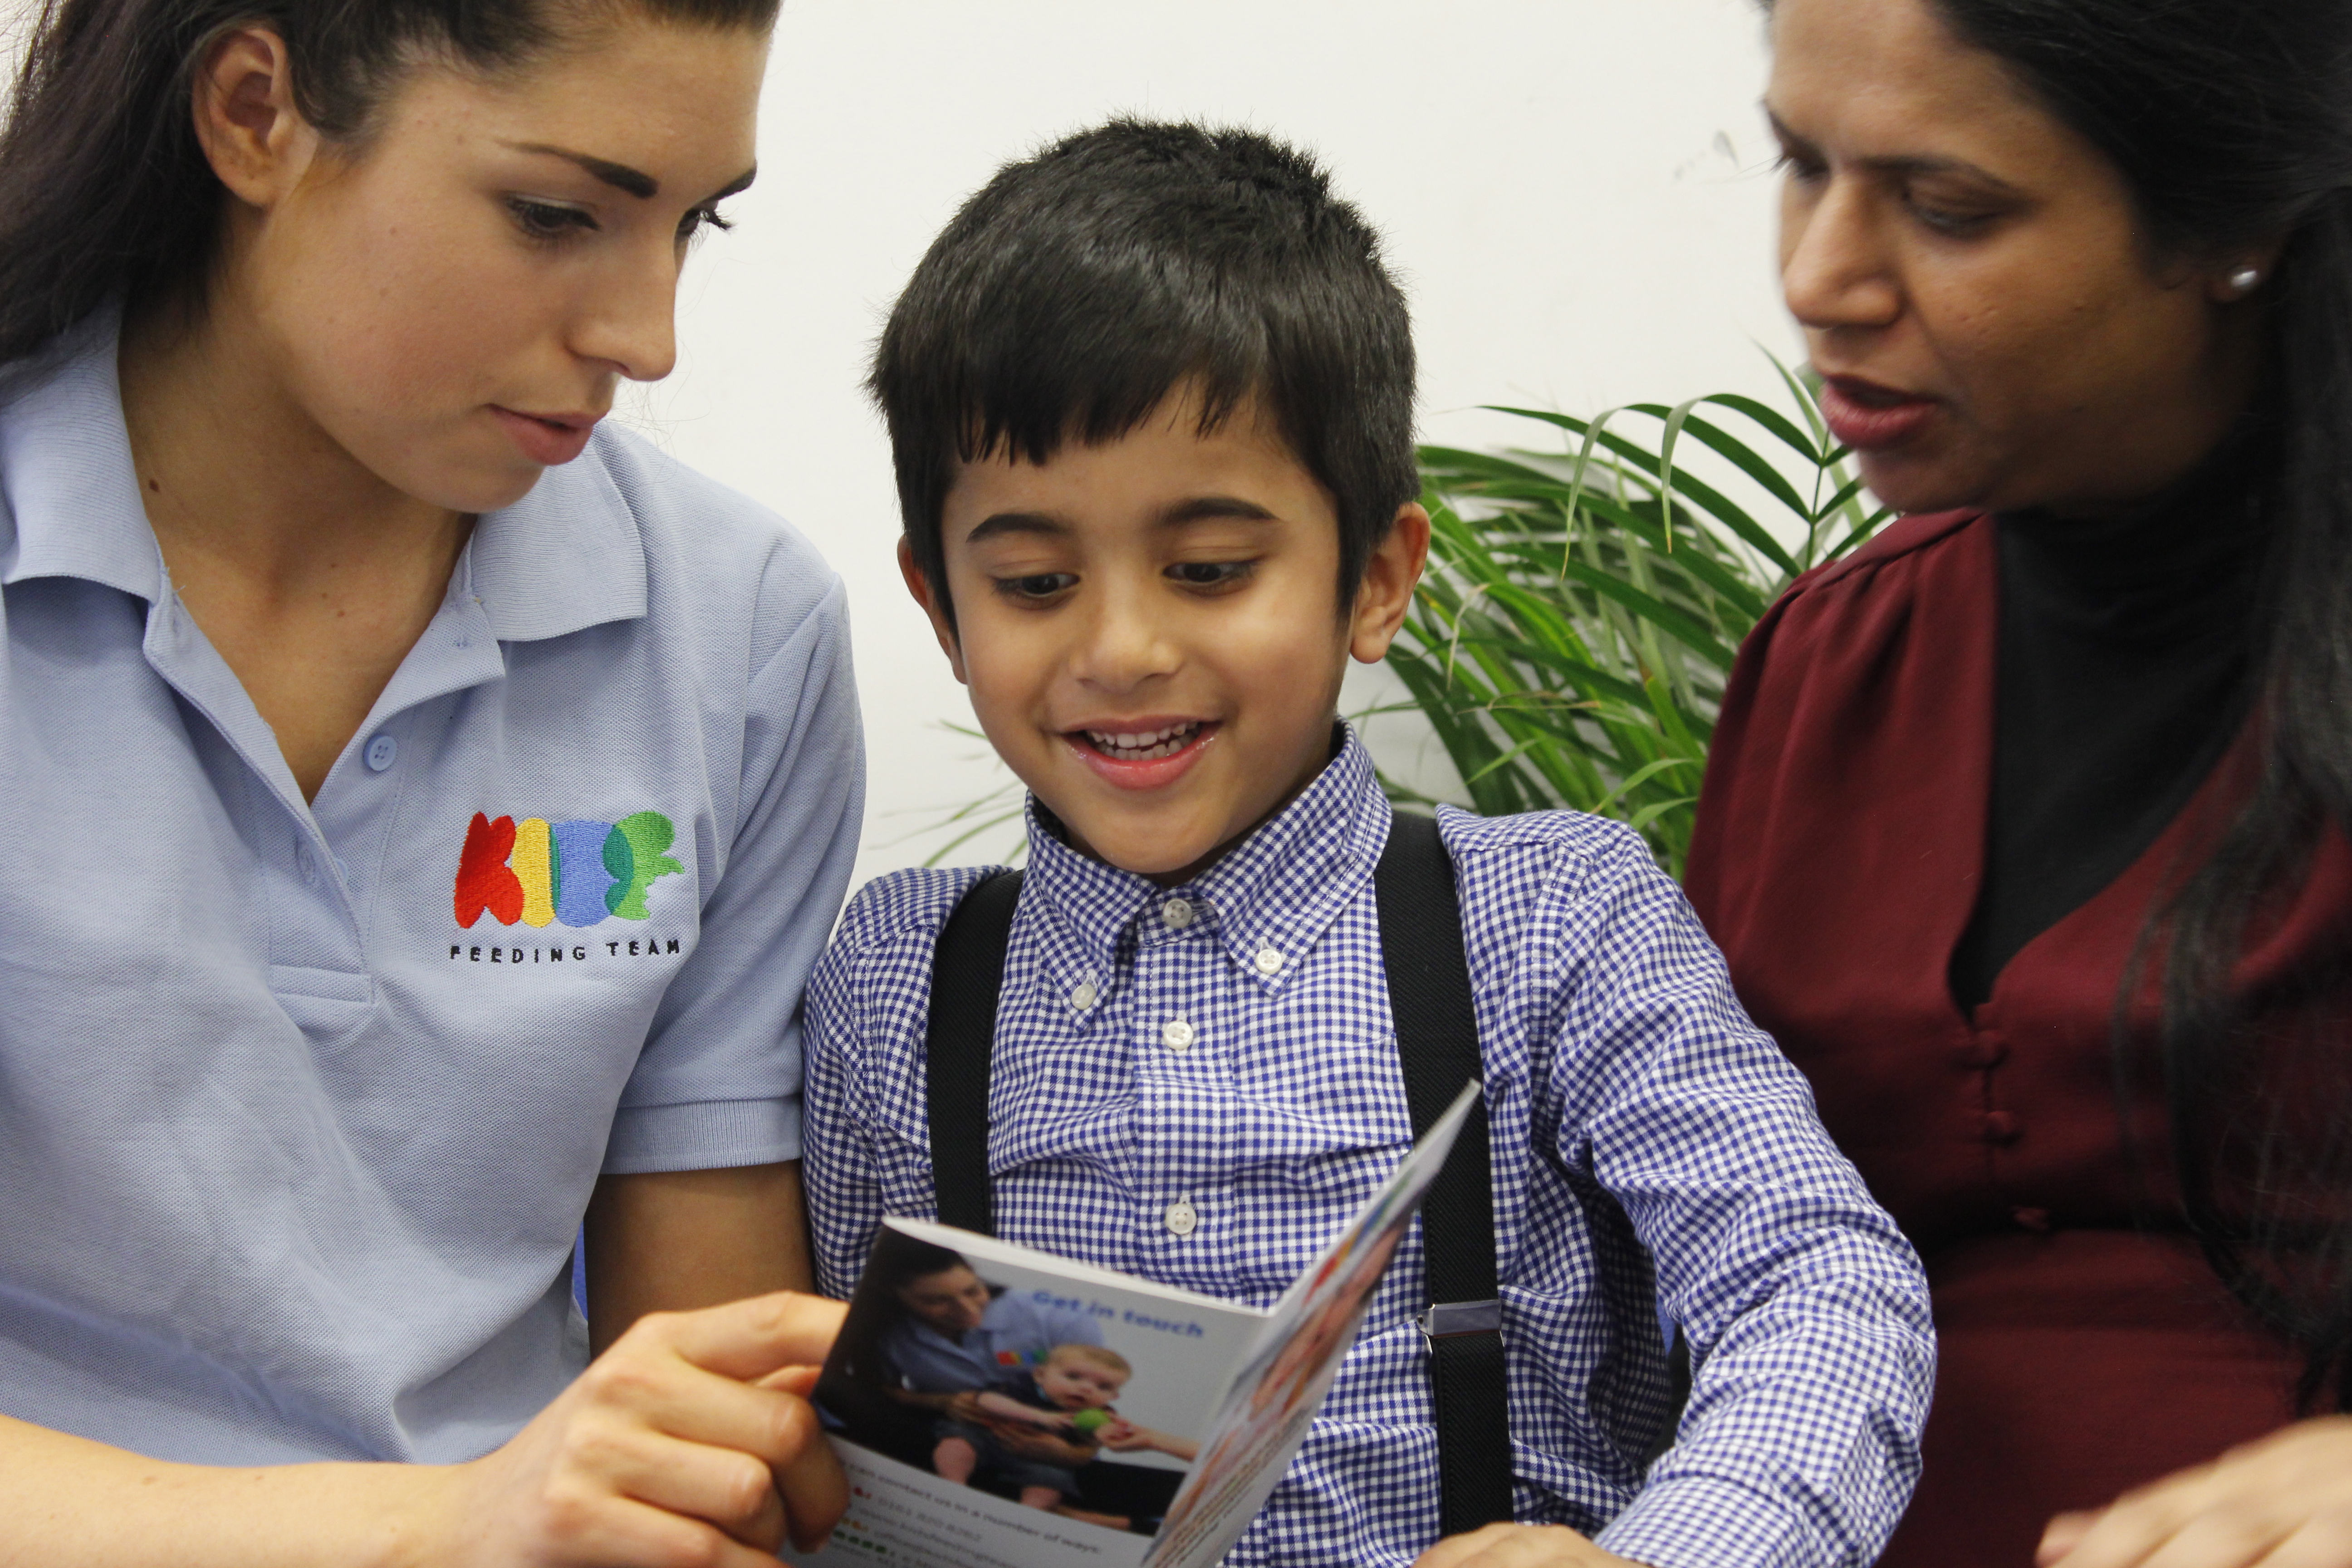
(1124, 647)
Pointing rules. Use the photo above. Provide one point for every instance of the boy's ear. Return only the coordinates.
(1389, 579)
(921, 587)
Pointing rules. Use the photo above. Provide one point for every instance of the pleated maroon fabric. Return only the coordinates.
(1839, 843)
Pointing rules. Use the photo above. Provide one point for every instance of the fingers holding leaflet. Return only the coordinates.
(1519, 1546)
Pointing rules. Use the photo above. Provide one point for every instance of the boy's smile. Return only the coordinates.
(1151, 631)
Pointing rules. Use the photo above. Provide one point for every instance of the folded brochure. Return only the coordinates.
(996, 1406)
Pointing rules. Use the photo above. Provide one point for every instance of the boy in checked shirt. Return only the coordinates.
(1151, 399)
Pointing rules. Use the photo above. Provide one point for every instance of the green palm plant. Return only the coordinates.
(1571, 639)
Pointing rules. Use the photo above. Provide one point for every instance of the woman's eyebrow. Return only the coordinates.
(620, 177)
(1908, 163)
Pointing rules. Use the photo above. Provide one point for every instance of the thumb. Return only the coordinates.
(2064, 1534)
(752, 1339)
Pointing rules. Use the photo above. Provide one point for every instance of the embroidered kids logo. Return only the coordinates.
(577, 872)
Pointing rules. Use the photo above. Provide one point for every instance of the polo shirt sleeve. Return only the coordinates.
(718, 1083)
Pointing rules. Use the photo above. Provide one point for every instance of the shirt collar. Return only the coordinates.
(67, 480)
(1274, 893)
(566, 556)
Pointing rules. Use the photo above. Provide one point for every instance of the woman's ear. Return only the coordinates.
(247, 120)
(919, 586)
(1390, 578)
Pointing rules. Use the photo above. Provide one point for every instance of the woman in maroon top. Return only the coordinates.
(2024, 827)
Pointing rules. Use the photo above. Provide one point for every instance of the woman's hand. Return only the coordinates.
(690, 1440)
(1520, 1546)
(2282, 1502)
(1124, 1437)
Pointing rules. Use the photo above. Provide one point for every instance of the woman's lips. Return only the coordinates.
(1869, 418)
(547, 440)
(1156, 756)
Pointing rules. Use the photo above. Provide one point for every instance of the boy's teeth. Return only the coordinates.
(1143, 745)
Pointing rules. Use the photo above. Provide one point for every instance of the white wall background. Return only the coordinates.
(1576, 193)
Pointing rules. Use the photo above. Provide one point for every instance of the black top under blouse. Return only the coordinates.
(2126, 664)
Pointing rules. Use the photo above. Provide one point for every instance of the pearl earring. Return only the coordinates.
(2246, 279)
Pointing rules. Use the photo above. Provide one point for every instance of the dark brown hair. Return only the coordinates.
(105, 193)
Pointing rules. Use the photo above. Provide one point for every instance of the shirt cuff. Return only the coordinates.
(1702, 1522)
(709, 1135)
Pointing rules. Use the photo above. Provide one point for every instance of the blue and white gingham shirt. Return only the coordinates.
(1637, 1116)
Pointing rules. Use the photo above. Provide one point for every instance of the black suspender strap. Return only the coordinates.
(1437, 1039)
(1437, 1045)
(966, 976)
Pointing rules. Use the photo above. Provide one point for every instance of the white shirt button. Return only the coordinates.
(306, 865)
(1177, 912)
(380, 752)
(1083, 995)
(1269, 960)
(1181, 1218)
(1177, 1035)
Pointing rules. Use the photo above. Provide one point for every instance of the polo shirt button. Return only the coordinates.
(304, 863)
(2000, 1127)
(380, 752)
(1980, 1053)
(1177, 1035)
(1181, 1218)
(1083, 995)
(1177, 912)
(1269, 960)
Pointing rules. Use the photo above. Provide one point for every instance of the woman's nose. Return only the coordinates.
(630, 318)
(1835, 271)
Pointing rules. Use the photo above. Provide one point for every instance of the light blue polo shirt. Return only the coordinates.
(301, 1104)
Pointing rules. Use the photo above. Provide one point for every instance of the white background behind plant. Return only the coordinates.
(1576, 193)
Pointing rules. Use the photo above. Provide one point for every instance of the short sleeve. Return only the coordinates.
(718, 1083)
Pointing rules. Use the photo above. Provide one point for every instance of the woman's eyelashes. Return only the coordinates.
(550, 222)
(699, 219)
(1953, 219)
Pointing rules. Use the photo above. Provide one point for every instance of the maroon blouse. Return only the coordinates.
(1839, 843)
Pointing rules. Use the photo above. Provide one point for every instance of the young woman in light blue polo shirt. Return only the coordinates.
(424, 802)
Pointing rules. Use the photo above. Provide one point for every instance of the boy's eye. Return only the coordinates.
(1036, 585)
(549, 220)
(1210, 573)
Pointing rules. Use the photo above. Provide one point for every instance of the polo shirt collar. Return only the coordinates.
(1277, 890)
(67, 481)
(565, 557)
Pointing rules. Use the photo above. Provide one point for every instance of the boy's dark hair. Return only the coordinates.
(1080, 287)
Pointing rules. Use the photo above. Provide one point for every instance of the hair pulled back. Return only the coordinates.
(2231, 123)
(105, 192)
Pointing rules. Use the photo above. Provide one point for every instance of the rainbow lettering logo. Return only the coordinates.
(576, 872)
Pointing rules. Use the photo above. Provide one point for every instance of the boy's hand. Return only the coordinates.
(1520, 1546)
(690, 1440)
(2283, 1502)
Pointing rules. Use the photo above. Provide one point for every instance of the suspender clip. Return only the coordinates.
(1454, 1319)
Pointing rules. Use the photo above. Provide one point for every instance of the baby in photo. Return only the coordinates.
(1070, 1393)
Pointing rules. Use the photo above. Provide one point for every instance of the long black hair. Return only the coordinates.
(105, 193)
(2231, 124)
